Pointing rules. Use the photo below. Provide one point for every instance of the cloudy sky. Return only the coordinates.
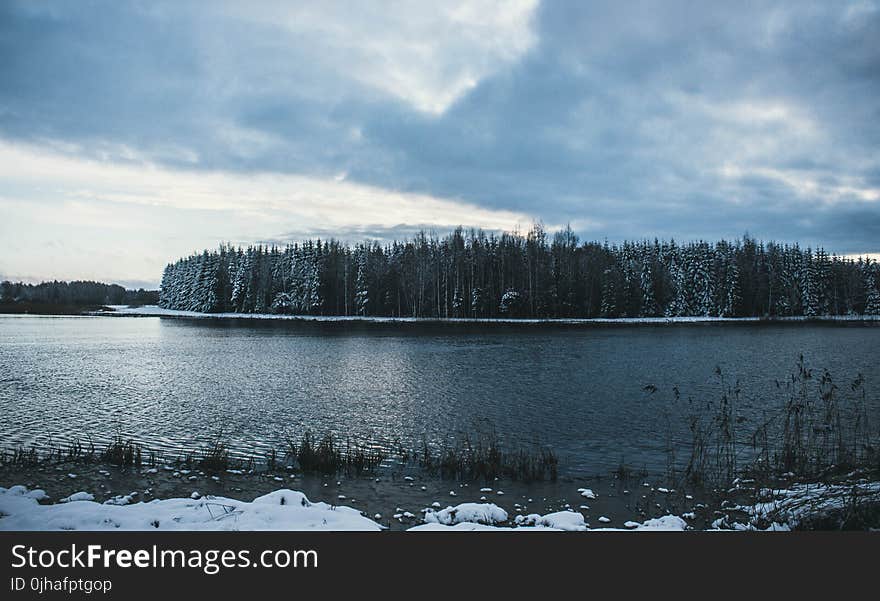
(134, 132)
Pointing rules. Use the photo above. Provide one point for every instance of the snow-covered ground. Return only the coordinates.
(154, 311)
(792, 505)
(20, 509)
(280, 510)
(484, 517)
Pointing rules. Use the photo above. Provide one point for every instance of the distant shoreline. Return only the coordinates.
(154, 311)
(56, 309)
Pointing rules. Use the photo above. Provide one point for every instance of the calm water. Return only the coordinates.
(169, 382)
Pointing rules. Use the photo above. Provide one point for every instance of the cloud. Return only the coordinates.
(426, 54)
(657, 119)
(137, 216)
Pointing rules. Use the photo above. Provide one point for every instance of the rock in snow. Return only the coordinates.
(477, 513)
(587, 493)
(667, 522)
(78, 496)
(121, 499)
(561, 520)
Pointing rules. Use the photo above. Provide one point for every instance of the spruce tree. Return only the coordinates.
(872, 288)
(362, 292)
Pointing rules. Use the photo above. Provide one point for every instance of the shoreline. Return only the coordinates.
(154, 311)
(400, 500)
(69, 495)
(463, 322)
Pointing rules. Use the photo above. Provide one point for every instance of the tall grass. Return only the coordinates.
(214, 458)
(327, 456)
(117, 452)
(812, 431)
(484, 458)
(469, 458)
(122, 452)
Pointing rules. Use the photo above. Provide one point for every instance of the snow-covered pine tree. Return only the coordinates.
(784, 279)
(685, 268)
(609, 295)
(207, 300)
(646, 283)
(316, 300)
(263, 290)
(872, 289)
(283, 303)
(823, 281)
(457, 302)
(478, 302)
(297, 286)
(810, 283)
(165, 297)
(240, 283)
(511, 303)
(704, 281)
(362, 291)
(672, 269)
(731, 295)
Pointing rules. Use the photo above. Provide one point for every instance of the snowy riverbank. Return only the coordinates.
(24, 509)
(155, 311)
(69, 496)
(396, 499)
(284, 509)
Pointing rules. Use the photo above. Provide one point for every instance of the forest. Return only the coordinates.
(473, 274)
(51, 296)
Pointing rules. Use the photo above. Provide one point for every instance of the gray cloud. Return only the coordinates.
(666, 119)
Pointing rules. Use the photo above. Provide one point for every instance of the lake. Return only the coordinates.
(175, 383)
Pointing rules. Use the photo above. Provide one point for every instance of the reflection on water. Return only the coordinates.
(170, 382)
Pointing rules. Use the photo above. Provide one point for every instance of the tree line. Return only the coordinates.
(72, 294)
(539, 275)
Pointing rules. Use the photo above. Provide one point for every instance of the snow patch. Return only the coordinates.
(121, 499)
(587, 493)
(477, 513)
(78, 496)
(786, 508)
(569, 521)
(280, 510)
(667, 522)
